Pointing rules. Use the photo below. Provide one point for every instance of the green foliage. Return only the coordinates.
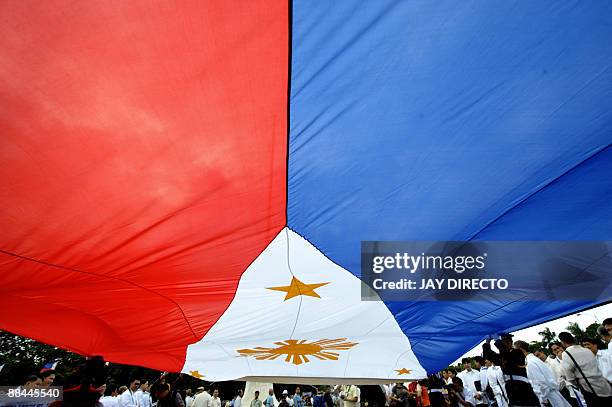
(23, 356)
(591, 331)
(549, 337)
(576, 331)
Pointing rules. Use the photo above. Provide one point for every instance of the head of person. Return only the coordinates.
(522, 346)
(256, 394)
(285, 393)
(271, 392)
(458, 384)
(134, 384)
(122, 389)
(556, 348)
(451, 373)
(602, 332)
(215, 393)
(240, 392)
(48, 377)
(590, 344)
(567, 339)
(479, 362)
(506, 339)
(162, 391)
(436, 381)
(607, 323)
(540, 355)
(445, 374)
(144, 385)
(199, 390)
(188, 392)
(298, 390)
(467, 364)
(32, 382)
(489, 361)
(111, 390)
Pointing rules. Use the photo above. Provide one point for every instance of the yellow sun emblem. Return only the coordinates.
(297, 351)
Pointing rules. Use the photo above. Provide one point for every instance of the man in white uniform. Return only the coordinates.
(142, 394)
(128, 397)
(202, 399)
(238, 399)
(468, 375)
(495, 378)
(215, 401)
(604, 361)
(542, 379)
(481, 385)
(110, 399)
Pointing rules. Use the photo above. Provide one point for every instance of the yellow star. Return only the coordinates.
(196, 374)
(298, 288)
(403, 371)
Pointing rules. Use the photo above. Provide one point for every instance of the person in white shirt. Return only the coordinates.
(495, 378)
(482, 383)
(215, 401)
(238, 399)
(142, 394)
(128, 397)
(351, 397)
(580, 367)
(604, 361)
(110, 399)
(447, 378)
(464, 395)
(202, 399)
(469, 377)
(542, 378)
(607, 324)
(570, 392)
(604, 335)
(188, 398)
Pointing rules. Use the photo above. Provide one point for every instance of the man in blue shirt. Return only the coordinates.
(298, 401)
(269, 401)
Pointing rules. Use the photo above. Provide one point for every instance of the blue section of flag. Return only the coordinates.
(451, 121)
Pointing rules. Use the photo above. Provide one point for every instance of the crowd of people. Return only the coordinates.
(568, 374)
(338, 396)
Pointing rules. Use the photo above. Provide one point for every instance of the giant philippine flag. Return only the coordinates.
(185, 185)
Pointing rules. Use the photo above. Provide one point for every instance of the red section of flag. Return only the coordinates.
(143, 168)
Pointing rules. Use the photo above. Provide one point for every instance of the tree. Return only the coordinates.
(576, 331)
(591, 331)
(23, 356)
(548, 337)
